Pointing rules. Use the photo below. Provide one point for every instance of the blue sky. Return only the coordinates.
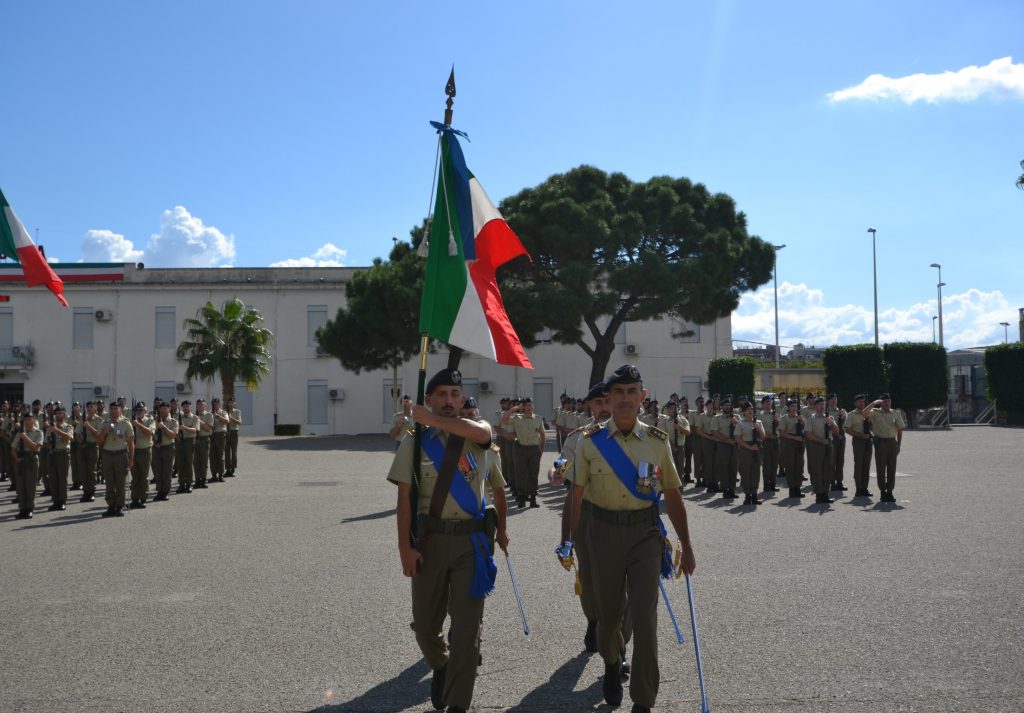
(251, 133)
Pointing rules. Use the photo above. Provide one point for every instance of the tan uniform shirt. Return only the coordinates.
(190, 421)
(406, 421)
(487, 473)
(603, 487)
(220, 421)
(885, 424)
(765, 417)
(235, 414)
(141, 439)
(62, 444)
(818, 425)
(160, 437)
(746, 429)
(789, 425)
(674, 436)
(721, 424)
(528, 429)
(855, 422)
(117, 438)
(569, 449)
(96, 422)
(207, 418)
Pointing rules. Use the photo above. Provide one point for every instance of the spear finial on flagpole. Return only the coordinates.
(449, 90)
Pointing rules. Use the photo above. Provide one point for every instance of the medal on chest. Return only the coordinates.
(648, 476)
(467, 466)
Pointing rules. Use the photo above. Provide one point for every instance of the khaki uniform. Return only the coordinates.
(688, 449)
(529, 430)
(201, 456)
(231, 442)
(769, 449)
(445, 577)
(885, 425)
(861, 445)
(709, 450)
(164, 446)
(60, 459)
(218, 442)
(726, 466)
(143, 459)
(77, 451)
(749, 462)
(27, 460)
(838, 449)
(818, 454)
(6, 469)
(115, 460)
(92, 454)
(406, 422)
(624, 530)
(792, 452)
(187, 443)
(677, 441)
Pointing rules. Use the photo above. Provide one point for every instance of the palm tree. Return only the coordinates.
(229, 343)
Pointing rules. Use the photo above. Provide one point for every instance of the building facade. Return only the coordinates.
(120, 333)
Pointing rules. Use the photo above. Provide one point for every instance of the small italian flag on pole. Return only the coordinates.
(468, 242)
(17, 245)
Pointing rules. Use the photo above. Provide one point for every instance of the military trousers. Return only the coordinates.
(528, 466)
(885, 463)
(695, 444)
(231, 451)
(687, 471)
(59, 462)
(44, 466)
(27, 476)
(678, 457)
(750, 470)
(89, 474)
(861, 462)
(441, 587)
(819, 466)
(709, 451)
(217, 440)
(792, 454)
(75, 460)
(201, 458)
(588, 600)
(6, 470)
(163, 466)
(183, 460)
(115, 475)
(628, 571)
(838, 460)
(140, 473)
(725, 465)
(769, 461)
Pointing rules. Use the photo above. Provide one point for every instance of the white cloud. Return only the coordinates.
(328, 255)
(1000, 77)
(969, 318)
(108, 246)
(183, 241)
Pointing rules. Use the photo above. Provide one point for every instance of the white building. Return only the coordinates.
(119, 336)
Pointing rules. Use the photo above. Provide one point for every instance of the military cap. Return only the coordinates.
(114, 404)
(528, 400)
(765, 398)
(832, 396)
(215, 400)
(596, 391)
(885, 396)
(727, 399)
(625, 374)
(819, 400)
(140, 405)
(200, 400)
(445, 377)
(792, 402)
(860, 397)
(470, 403)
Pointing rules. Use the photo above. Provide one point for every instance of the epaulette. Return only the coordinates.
(591, 429)
(657, 433)
(495, 447)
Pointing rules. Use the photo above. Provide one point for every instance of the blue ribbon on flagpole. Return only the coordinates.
(445, 129)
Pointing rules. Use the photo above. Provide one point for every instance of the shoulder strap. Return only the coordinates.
(445, 474)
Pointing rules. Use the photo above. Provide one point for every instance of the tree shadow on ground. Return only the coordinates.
(375, 442)
(409, 689)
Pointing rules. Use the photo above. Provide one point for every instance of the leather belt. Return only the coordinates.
(622, 518)
(449, 527)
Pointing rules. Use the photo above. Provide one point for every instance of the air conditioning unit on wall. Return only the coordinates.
(336, 394)
(485, 387)
(101, 391)
(632, 349)
(104, 315)
(183, 387)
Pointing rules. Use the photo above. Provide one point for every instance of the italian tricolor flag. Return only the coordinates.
(17, 245)
(468, 241)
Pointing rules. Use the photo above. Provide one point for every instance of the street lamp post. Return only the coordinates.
(937, 266)
(874, 270)
(775, 278)
(1006, 332)
(933, 328)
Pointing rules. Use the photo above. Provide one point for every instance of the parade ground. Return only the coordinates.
(281, 590)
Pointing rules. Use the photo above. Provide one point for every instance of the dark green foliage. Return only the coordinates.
(918, 375)
(1004, 376)
(606, 250)
(732, 376)
(287, 429)
(854, 369)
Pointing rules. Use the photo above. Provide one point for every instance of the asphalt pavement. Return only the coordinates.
(281, 590)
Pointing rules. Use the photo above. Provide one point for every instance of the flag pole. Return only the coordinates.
(449, 90)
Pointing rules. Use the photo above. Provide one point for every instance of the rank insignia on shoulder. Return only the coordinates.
(591, 430)
(495, 447)
(657, 433)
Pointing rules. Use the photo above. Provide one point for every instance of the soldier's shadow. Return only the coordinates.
(409, 689)
(819, 508)
(557, 693)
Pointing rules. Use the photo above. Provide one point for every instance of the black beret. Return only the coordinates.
(833, 396)
(528, 400)
(625, 374)
(819, 400)
(792, 402)
(726, 400)
(885, 396)
(765, 398)
(860, 397)
(445, 377)
(596, 391)
(470, 403)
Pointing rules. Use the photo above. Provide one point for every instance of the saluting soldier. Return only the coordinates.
(529, 430)
(678, 428)
(91, 427)
(217, 441)
(791, 447)
(887, 425)
(723, 428)
(451, 563)
(165, 436)
(231, 442)
(770, 445)
(201, 454)
(859, 430)
(820, 429)
(144, 426)
(401, 422)
(25, 450)
(624, 467)
(117, 441)
(696, 442)
(188, 427)
(61, 434)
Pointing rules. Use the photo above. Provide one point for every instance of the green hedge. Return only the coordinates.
(287, 429)
(854, 369)
(1004, 376)
(918, 374)
(732, 376)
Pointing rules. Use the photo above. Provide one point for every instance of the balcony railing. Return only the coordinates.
(17, 356)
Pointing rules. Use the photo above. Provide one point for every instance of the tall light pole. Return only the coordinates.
(775, 278)
(938, 267)
(1006, 332)
(933, 328)
(874, 270)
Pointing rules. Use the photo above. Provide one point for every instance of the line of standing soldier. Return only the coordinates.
(521, 440)
(42, 445)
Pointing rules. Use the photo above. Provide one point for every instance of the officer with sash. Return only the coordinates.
(624, 467)
(461, 507)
